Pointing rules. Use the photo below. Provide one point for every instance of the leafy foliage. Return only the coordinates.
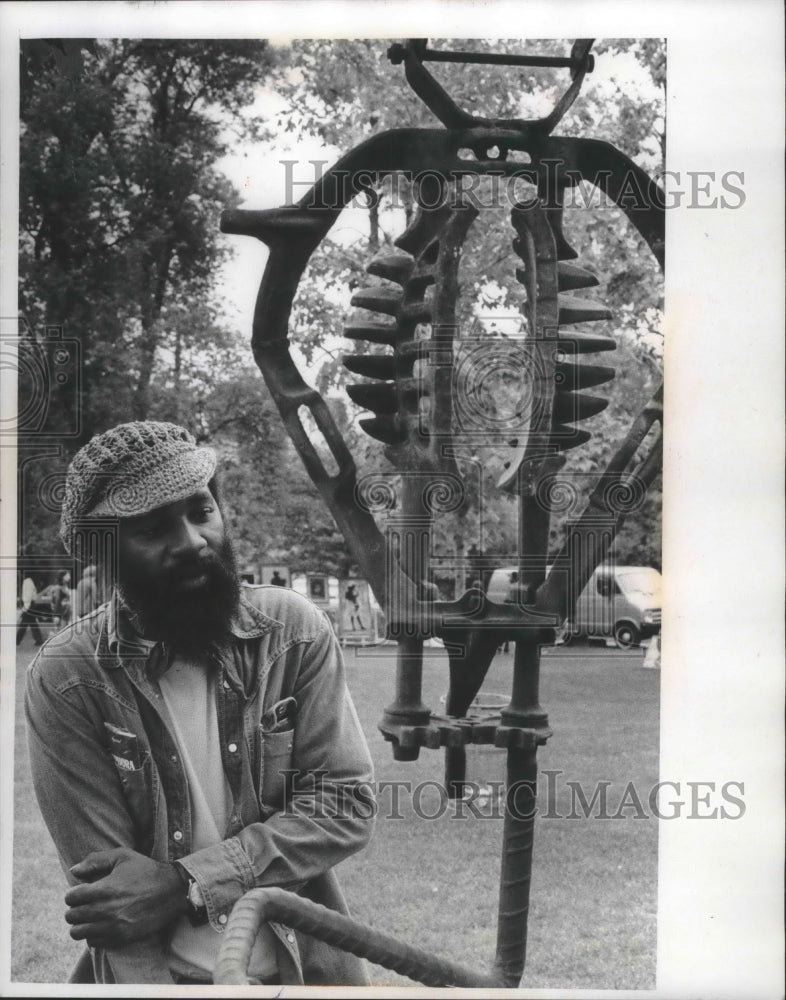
(119, 201)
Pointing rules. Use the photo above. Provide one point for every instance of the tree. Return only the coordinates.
(120, 195)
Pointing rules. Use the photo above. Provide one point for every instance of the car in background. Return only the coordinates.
(619, 602)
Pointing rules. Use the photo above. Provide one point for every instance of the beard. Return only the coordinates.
(189, 615)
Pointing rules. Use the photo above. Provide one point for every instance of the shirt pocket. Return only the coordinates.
(134, 766)
(275, 766)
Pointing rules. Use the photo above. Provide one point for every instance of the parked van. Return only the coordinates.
(623, 602)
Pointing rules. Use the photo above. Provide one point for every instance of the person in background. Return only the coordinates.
(86, 596)
(61, 599)
(30, 617)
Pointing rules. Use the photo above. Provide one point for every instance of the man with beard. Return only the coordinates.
(192, 738)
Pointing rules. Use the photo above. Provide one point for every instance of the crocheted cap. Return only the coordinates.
(132, 469)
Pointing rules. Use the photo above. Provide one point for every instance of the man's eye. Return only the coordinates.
(203, 513)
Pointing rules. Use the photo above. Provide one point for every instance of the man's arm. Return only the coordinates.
(325, 820)
(81, 800)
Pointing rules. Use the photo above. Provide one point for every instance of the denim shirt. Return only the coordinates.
(107, 772)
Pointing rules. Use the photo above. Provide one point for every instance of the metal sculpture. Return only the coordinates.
(410, 396)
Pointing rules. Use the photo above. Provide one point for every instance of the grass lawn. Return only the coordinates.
(433, 882)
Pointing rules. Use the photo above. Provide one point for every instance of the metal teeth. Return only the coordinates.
(584, 343)
(400, 267)
(571, 406)
(565, 437)
(414, 238)
(389, 302)
(378, 299)
(381, 366)
(393, 266)
(379, 397)
(571, 276)
(382, 397)
(421, 278)
(574, 310)
(568, 376)
(374, 333)
(385, 429)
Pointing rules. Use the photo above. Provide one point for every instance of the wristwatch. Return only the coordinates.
(196, 911)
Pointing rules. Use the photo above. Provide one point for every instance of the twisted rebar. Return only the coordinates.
(262, 905)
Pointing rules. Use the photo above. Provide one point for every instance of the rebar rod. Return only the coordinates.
(264, 905)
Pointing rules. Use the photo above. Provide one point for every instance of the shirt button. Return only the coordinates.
(232, 748)
(290, 938)
(177, 835)
(222, 918)
(173, 758)
(226, 685)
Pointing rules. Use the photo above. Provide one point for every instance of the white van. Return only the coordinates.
(623, 602)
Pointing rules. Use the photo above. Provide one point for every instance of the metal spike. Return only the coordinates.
(381, 366)
(421, 278)
(570, 407)
(424, 224)
(376, 396)
(374, 333)
(566, 437)
(569, 376)
(571, 276)
(378, 299)
(272, 225)
(584, 343)
(575, 310)
(386, 429)
(393, 266)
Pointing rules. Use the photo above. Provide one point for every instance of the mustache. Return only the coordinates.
(192, 566)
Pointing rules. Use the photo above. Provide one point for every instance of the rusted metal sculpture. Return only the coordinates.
(417, 438)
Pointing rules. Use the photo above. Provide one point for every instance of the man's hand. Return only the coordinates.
(124, 896)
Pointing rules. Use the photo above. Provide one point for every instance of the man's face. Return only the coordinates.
(177, 573)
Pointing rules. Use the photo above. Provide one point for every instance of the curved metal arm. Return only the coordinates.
(262, 905)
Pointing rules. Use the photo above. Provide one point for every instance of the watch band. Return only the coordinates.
(196, 910)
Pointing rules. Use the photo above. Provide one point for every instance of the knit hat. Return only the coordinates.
(132, 469)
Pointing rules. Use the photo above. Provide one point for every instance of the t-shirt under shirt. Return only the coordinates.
(187, 689)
